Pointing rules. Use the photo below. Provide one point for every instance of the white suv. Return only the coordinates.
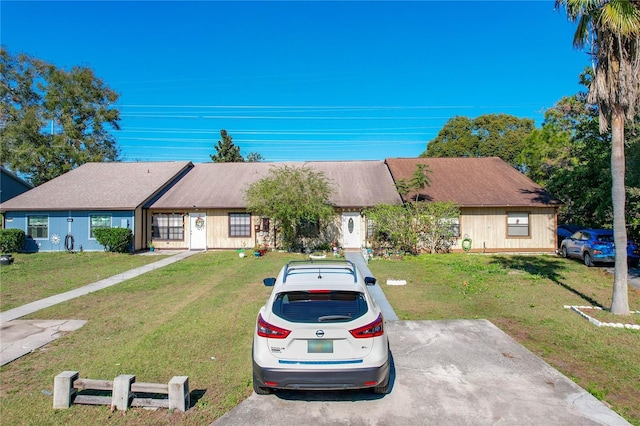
(320, 330)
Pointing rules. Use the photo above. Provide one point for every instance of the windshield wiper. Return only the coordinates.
(334, 318)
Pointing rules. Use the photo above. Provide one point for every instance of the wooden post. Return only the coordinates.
(63, 390)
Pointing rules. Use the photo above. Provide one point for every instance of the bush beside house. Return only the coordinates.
(11, 240)
(118, 240)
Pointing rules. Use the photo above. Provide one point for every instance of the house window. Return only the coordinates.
(239, 225)
(309, 228)
(370, 229)
(98, 221)
(453, 226)
(168, 226)
(518, 224)
(38, 227)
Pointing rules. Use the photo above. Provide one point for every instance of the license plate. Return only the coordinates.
(320, 346)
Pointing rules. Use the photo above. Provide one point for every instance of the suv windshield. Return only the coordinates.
(325, 306)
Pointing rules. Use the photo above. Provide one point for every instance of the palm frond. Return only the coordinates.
(621, 17)
(582, 32)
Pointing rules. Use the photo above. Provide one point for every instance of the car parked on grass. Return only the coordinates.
(320, 330)
(597, 246)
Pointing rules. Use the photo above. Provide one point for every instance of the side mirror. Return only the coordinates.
(370, 280)
(269, 282)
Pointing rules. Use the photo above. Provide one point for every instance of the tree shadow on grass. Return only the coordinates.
(545, 267)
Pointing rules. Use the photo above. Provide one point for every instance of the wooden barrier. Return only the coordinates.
(123, 388)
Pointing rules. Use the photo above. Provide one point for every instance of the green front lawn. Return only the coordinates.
(196, 318)
(36, 276)
(524, 296)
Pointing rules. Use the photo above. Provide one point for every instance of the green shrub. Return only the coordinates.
(11, 240)
(114, 239)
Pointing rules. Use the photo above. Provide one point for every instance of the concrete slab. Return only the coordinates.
(463, 372)
(20, 337)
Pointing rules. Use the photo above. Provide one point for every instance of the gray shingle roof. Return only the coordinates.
(222, 185)
(474, 182)
(471, 182)
(100, 186)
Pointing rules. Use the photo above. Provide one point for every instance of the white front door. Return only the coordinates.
(351, 223)
(198, 231)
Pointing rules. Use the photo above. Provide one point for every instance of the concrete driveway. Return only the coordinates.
(633, 279)
(462, 372)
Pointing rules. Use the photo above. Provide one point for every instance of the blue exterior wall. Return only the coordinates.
(61, 223)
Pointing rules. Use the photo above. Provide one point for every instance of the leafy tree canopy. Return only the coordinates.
(226, 150)
(492, 135)
(572, 159)
(292, 197)
(53, 120)
(254, 157)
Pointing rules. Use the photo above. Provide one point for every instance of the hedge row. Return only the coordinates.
(114, 239)
(11, 240)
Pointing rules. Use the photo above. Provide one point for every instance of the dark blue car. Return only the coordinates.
(596, 246)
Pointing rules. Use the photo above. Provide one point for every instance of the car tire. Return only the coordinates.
(260, 390)
(382, 389)
(588, 260)
(563, 251)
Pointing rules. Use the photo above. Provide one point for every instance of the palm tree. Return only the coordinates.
(611, 29)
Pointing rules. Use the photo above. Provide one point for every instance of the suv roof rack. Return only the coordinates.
(316, 265)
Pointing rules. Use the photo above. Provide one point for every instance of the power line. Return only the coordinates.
(325, 107)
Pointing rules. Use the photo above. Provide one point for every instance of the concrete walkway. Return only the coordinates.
(20, 337)
(32, 307)
(375, 291)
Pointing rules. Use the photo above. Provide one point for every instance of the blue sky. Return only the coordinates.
(302, 80)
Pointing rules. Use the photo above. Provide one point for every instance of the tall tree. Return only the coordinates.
(254, 157)
(551, 148)
(569, 150)
(611, 28)
(492, 135)
(53, 120)
(226, 150)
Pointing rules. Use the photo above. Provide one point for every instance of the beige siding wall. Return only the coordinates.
(487, 228)
(218, 231)
(217, 225)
